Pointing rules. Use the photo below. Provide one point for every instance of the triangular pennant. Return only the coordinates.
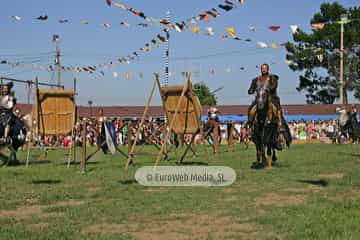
(294, 29)
(225, 7)
(231, 31)
(262, 44)
(195, 29)
(274, 28)
(127, 75)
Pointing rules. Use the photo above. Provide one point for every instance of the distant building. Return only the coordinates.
(227, 112)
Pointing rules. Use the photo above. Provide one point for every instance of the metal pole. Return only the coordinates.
(83, 134)
(58, 63)
(342, 99)
(167, 51)
(342, 81)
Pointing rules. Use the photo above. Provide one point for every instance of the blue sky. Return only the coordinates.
(29, 40)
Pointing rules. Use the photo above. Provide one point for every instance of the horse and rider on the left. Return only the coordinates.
(12, 127)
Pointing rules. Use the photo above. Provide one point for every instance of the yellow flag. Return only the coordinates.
(231, 31)
(195, 29)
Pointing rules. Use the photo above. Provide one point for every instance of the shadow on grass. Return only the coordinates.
(45, 181)
(128, 181)
(319, 183)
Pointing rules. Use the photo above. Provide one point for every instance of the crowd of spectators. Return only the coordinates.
(152, 132)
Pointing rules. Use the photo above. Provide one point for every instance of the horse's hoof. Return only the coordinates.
(254, 165)
(257, 165)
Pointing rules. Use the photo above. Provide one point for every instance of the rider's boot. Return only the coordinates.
(6, 139)
(250, 121)
(279, 145)
(280, 122)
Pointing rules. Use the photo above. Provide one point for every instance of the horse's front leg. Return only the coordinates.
(258, 155)
(274, 157)
(269, 157)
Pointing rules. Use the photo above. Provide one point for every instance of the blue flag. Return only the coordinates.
(110, 136)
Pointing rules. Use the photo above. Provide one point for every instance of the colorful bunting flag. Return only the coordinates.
(210, 31)
(145, 25)
(294, 29)
(195, 29)
(274, 28)
(231, 31)
(126, 24)
(253, 29)
(127, 76)
(63, 21)
(106, 25)
(42, 18)
(115, 75)
(225, 7)
(262, 44)
(17, 18)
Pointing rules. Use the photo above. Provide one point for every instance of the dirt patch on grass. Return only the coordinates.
(38, 226)
(27, 212)
(229, 190)
(94, 189)
(31, 200)
(179, 227)
(109, 228)
(231, 199)
(154, 189)
(69, 202)
(280, 200)
(353, 194)
(332, 175)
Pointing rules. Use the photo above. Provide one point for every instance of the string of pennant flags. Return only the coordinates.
(189, 24)
(157, 41)
(129, 75)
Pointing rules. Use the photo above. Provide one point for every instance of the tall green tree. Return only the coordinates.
(317, 55)
(206, 97)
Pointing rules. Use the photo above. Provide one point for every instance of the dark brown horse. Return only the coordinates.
(265, 130)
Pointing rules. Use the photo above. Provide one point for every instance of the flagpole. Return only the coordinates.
(56, 39)
(167, 51)
(343, 98)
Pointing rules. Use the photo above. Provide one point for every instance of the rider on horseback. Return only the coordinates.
(213, 113)
(7, 103)
(271, 81)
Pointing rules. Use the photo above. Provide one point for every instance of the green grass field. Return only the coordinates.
(314, 193)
